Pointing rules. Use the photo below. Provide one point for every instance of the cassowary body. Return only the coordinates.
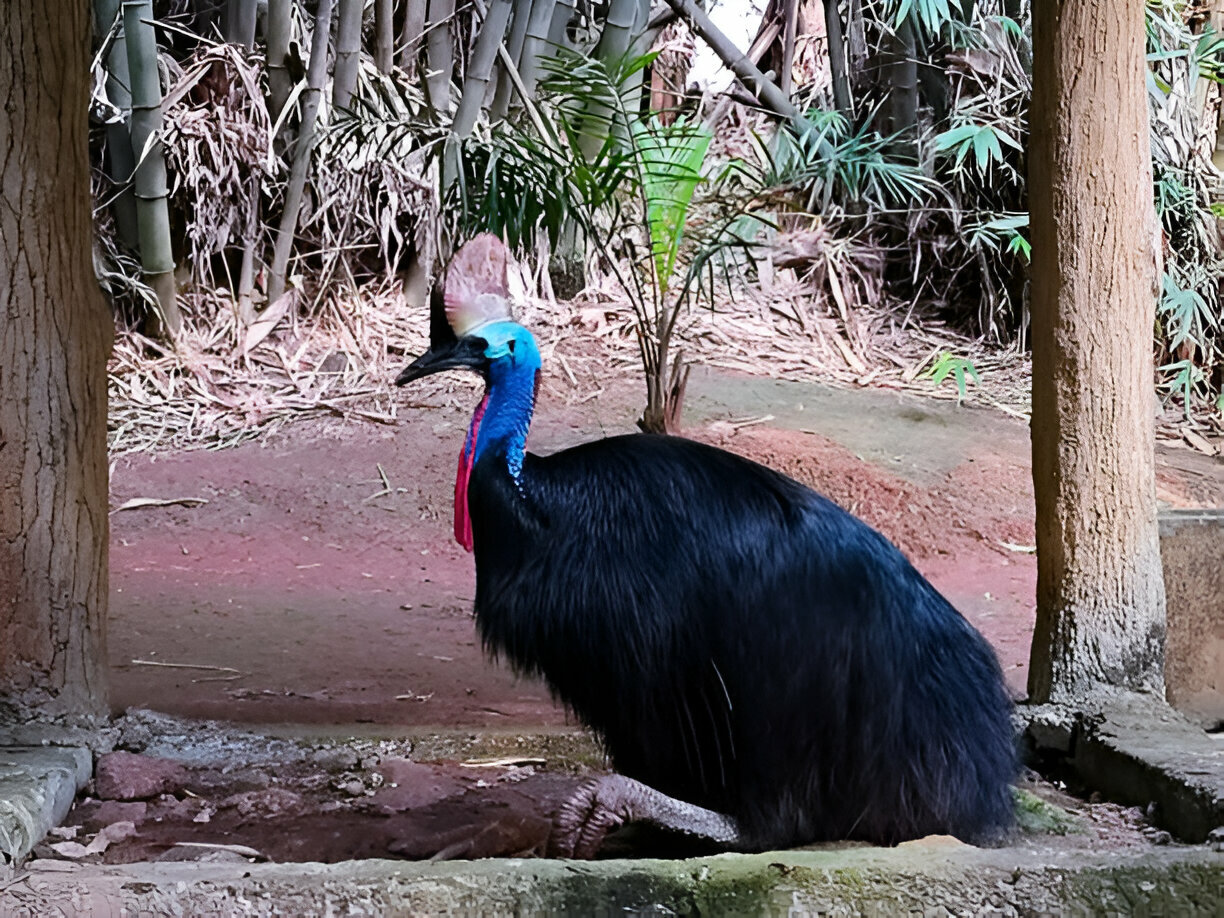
(771, 669)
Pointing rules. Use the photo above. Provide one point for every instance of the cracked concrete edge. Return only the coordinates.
(1137, 750)
(37, 787)
(929, 877)
(1142, 753)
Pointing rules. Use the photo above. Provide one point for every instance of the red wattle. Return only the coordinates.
(467, 459)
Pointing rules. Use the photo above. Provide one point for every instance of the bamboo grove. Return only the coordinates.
(254, 157)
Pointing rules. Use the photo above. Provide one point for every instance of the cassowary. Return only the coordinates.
(764, 669)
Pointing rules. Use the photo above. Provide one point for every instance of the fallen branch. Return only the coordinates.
(137, 503)
(213, 669)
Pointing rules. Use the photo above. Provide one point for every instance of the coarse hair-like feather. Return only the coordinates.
(742, 643)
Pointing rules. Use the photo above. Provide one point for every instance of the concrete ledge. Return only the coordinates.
(1138, 751)
(932, 877)
(37, 787)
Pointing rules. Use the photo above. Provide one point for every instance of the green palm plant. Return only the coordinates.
(630, 185)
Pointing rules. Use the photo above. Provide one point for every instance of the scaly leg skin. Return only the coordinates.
(606, 803)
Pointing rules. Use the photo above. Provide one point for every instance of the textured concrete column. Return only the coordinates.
(1192, 551)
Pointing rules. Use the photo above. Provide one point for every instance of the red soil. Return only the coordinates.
(330, 602)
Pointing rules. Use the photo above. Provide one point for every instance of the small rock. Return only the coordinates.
(1158, 836)
(108, 812)
(335, 758)
(1215, 838)
(201, 856)
(335, 362)
(113, 834)
(353, 788)
(70, 849)
(272, 802)
(128, 776)
(211, 781)
(933, 843)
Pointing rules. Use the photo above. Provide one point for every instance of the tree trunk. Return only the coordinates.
(1100, 596)
(348, 53)
(54, 345)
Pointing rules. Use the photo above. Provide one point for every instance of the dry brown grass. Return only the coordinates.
(341, 357)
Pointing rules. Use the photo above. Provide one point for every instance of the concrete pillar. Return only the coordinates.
(1192, 550)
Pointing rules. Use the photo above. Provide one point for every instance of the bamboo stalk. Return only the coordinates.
(837, 58)
(475, 85)
(514, 47)
(410, 36)
(764, 89)
(316, 77)
(120, 158)
(614, 42)
(755, 52)
(899, 73)
(280, 29)
(558, 28)
(240, 22)
(618, 30)
(535, 45)
(439, 54)
(384, 35)
(348, 53)
(790, 17)
(149, 177)
(480, 66)
(640, 44)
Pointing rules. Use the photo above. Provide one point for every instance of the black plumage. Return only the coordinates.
(742, 643)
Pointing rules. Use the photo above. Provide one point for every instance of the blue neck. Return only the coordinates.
(507, 415)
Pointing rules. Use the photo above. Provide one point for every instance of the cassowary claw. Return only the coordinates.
(595, 809)
(603, 804)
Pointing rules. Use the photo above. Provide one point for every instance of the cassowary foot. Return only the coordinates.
(604, 804)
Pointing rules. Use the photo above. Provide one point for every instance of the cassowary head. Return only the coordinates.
(470, 322)
(470, 326)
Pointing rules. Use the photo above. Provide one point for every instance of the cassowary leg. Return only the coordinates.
(604, 804)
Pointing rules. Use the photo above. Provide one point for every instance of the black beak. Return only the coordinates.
(464, 353)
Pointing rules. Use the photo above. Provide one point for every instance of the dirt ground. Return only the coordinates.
(309, 582)
(320, 583)
(208, 792)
